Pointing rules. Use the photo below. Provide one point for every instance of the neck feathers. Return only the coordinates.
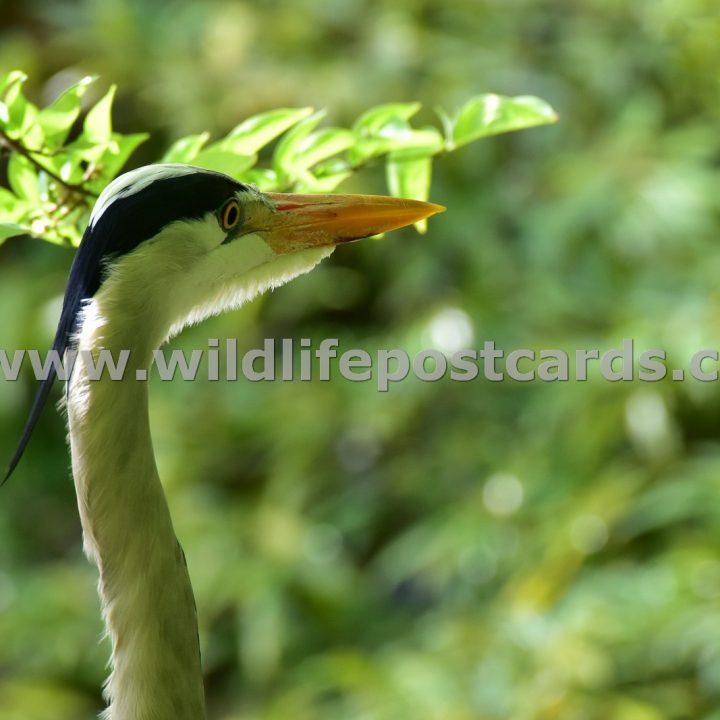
(145, 590)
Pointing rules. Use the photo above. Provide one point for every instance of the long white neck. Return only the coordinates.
(147, 598)
(144, 586)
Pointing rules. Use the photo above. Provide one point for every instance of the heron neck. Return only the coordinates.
(147, 599)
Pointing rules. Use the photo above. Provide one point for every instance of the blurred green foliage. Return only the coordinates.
(445, 550)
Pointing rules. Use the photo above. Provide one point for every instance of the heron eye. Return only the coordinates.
(230, 215)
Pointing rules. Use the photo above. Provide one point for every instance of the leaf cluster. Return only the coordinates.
(57, 167)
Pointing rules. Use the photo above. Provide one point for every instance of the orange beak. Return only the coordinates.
(292, 222)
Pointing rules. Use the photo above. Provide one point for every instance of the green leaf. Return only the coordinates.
(257, 131)
(386, 128)
(14, 76)
(7, 201)
(21, 114)
(409, 177)
(57, 119)
(322, 183)
(66, 165)
(319, 146)
(83, 149)
(224, 161)
(106, 159)
(23, 178)
(264, 178)
(447, 124)
(98, 122)
(186, 149)
(492, 114)
(288, 147)
(118, 151)
(395, 137)
(8, 230)
(374, 120)
(325, 177)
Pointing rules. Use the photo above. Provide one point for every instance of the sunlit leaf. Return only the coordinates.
(319, 146)
(8, 230)
(394, 137)
(326, 176)
(185, 149)
(21, 114)
(98, 122)
(374, 120)
(66, 165)
(223, 161)
(492, 114)
(23, 178)
(83, 149)
(57, 119)
(387, 128)
(13, 77)
(447, 123)
(7, 200)
(321, 184)
(265, 179)
(118, 152)
(287, 149)
(257, 131)
(409, 177)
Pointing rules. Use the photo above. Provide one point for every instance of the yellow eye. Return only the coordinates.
(230, 215)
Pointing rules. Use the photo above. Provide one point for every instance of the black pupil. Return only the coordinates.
(231, 215)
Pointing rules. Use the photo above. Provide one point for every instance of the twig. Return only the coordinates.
(17, 147)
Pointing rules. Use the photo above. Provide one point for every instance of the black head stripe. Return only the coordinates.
(131, 219)
(134, 217)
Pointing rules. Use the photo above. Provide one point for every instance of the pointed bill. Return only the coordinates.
(292, 222)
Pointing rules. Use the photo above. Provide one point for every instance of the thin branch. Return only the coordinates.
(17, 147)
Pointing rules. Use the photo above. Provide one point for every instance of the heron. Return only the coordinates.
(168, 245)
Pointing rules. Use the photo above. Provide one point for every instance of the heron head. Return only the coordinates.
(185, 243)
